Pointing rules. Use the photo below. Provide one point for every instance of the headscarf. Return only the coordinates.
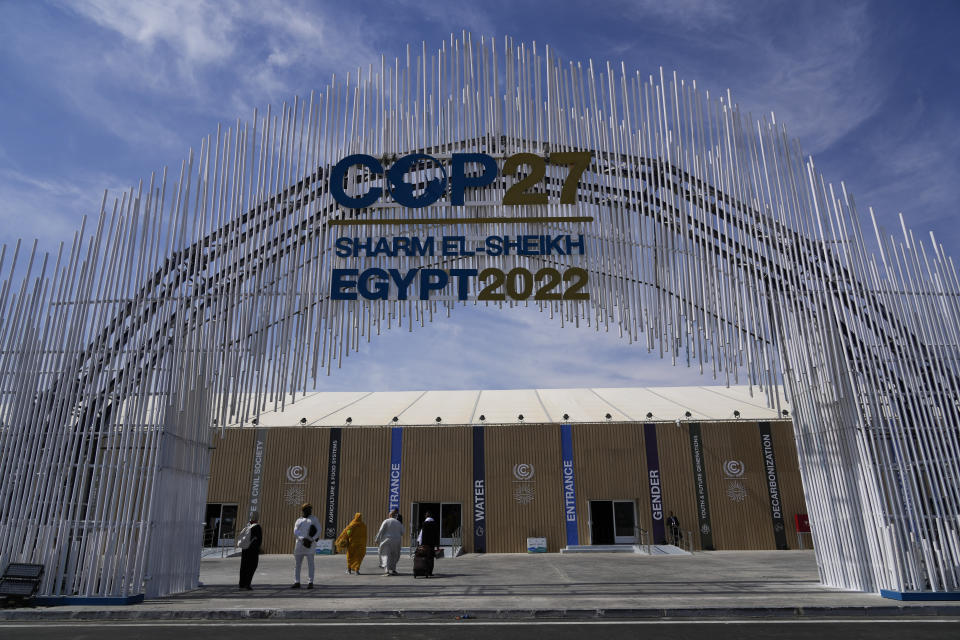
(356, 530)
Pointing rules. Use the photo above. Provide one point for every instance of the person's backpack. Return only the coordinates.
(246, 537)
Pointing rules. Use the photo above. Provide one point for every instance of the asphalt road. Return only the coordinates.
(800, 629)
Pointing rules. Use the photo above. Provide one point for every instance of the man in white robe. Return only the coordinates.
(307, 532)
(388, 540)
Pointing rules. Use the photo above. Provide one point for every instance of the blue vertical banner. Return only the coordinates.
(653, 479)
(396, 455)
(569, 488)
(479, 493)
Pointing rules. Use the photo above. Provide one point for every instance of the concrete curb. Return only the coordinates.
(132, 614)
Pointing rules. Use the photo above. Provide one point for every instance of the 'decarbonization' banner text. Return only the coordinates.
(773, 485)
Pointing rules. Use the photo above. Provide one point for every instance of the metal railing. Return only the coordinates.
(211, 543)
(642, 537)
(457, 545)
(685, 541)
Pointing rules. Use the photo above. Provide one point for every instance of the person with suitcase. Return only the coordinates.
(427, 542)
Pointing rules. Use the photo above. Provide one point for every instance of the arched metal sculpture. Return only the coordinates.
(704, 235)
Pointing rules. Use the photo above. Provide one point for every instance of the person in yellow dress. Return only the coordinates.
(353, 539)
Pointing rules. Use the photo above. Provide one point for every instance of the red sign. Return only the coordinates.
(803, 523)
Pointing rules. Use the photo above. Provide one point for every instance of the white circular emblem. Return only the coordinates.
(733, 468)
(523, 471)
(524, 493)
(736, 492)
(294, 495)
(296, 473)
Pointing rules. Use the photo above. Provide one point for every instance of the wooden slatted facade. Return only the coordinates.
(436, 468)
(610, 463)
(511, 521)
(676, 464)
(364, 478)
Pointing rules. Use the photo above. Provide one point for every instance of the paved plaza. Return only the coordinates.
(517, 586)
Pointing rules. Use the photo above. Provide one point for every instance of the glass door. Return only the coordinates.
(601, 522)
(448, 514)
(228, 525)
(612, 522)
(211, 525)
(219, 525)
(624, 522)
(419, 513)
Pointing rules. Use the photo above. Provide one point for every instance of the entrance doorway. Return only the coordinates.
(612, 522)
(448, 514)
(220, 525)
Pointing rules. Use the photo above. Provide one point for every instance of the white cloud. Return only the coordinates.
(697, 15)
(193, 58)
(198, 32)
(809, 63)
(455, 17)
(824, 84)
(916, 162)
(490, 348)
(49, 208)
(193, 49)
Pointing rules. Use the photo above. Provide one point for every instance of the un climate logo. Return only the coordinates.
(523, 471)
(733, 468)
(296, 473)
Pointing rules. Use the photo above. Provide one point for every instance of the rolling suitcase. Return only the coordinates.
(423, 562)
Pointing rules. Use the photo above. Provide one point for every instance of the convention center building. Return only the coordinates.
(578, 467)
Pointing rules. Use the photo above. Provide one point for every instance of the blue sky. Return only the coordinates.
(98, 94)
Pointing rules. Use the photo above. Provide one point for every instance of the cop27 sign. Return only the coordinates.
(433, 189)
(418, 180)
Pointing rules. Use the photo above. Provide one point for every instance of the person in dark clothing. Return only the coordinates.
(252, 537)
(428, 540)
(674, 525)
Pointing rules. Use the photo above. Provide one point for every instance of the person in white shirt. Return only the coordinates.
(307, 532)
(388, 539)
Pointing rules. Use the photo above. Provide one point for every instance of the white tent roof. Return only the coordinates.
(379, 408)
